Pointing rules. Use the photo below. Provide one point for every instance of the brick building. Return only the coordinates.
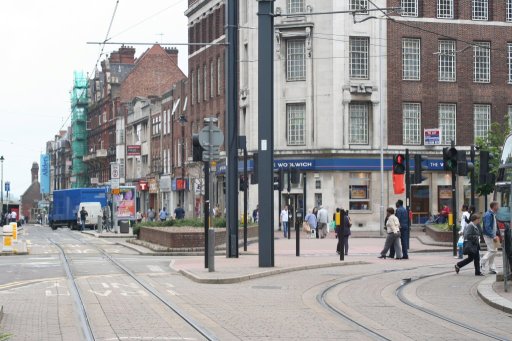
(30, 198)
(206, 85)
(450, 67)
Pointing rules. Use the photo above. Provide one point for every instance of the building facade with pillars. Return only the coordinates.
(330, 104)
(206, 89)
(452, 71)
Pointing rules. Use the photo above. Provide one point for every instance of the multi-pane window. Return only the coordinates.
(509, 113)
(509, 62)
(198, 85)
(192, 87)
(359, 5)
(411, 123)
(447, 61)
(205, 83)
(295, 6)
(411, 59)
(212, 80)
(480, 9)
(219, 76)
(482, 62)
(359, 58)
(482, 120)
(409, 8)
(445, 9)
(358, 123)
(447, 120)
(509, 10)
(295, 60)
(296, 123)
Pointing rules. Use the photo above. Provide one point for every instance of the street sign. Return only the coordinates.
(114, 170)
(216, 140)
(114, 183)
(7, 186)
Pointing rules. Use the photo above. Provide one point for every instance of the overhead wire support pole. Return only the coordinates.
(266, 132)
(231, 122)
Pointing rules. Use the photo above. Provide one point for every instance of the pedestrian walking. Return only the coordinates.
(403, 219)
(322, 220)
(315, 212)
(284, 220)
(83, 217)
(151, 214)
(179, 212)
(464, 221)
(347, 224)
(163, 214)
(14, 215)
(311, 220)
(393, 236)
(490, 238)
(343, 231)
(255, 214)
(471, 245)
(138, 217)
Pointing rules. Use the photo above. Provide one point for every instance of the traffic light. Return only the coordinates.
(399, 164)
(224, 186)
(450, 159)
(418, 168)
(463, 166)
(485, 176)
(197, 150)
(295, 176)
(243, 184)
(279, 180)
(254, 176)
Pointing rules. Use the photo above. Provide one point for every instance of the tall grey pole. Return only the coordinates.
(472, 155)
(206, 209)
(2, 185)
(232, 128)
(266, 132)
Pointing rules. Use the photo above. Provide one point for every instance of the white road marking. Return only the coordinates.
(134, 293)
(172, 292)
(155, 268)
(104, 294)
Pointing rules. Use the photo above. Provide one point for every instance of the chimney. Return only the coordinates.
(114, 58)
(127, 55)
(173, 53)
(35, 171)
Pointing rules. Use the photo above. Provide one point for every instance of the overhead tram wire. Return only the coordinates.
(152, 43)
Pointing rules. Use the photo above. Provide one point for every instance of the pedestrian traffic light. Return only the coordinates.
(295, 176)
(279, 180)
(254, 176)
(399, 164)
(419, 168)
(243, 184)
(463, 166)
(485, 174)
(450, 159)
(197, 149)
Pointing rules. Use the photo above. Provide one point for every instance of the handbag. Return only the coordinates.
(469, 247)
(305, 227)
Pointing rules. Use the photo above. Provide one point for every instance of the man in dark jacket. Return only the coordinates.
(403, 218)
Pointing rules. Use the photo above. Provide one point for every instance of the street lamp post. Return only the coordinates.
(182, 121)
(2, 185)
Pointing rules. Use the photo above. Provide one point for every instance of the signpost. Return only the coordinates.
(210, 138)
(114, 185)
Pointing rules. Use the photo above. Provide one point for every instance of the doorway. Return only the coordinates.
(420, 204)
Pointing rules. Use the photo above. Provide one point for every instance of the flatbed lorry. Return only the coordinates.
(66, 205)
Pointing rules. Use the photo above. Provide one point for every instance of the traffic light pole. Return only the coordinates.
(472, 155)
(407, 185)
(206, 209)
(246, 186)
(454, 205)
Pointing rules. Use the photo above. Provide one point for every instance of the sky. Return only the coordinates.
(43, 42)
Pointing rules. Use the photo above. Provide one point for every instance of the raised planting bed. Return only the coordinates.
(440, 233)
(188, 237)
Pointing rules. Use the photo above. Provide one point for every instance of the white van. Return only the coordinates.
(93, 212)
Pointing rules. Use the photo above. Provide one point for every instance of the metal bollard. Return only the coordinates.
(211, 250)
(99, 225)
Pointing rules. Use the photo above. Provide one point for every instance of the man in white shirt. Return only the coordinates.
(323, 219)
(13, 216)
(284, 220)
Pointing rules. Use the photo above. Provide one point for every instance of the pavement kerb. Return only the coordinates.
(243, 278)
(489, 296)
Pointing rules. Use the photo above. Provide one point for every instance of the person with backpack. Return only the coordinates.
(343, 239)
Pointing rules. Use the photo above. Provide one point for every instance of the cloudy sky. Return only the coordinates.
(43, 42)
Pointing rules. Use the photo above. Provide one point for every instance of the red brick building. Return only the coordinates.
(449, 67)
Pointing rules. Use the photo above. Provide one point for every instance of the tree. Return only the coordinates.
(494, 142)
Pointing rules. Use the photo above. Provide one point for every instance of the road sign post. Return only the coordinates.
(114, 185)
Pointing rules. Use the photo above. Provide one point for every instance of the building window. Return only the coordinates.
(318, 199)
(447, 119)
(447, 61)
(411, 123)
(212, 80)
(359, 57)
(509, 10)
(509, 113)
(480, 9)
(219, 76)
(509, 63)
(482, 120)
(295, 6)
(358, 123)
(318, 184)
(198, 85)
(359, 5)
(192, 87)
(409, 8)
(295, 60)
(411, 59)
(482, 62)
(205, 83)
(445, 9)
(359, 192)
(296, 117)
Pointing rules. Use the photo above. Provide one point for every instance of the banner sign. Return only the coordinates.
(432, 137)
(125, 203)
(133, 150)
(45, 174)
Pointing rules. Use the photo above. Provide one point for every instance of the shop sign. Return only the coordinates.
(143, 185)
(445, 193)
(133, 150)
(165, 183)
(153, 186)
(432, 137)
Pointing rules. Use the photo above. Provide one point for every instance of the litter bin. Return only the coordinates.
(124, 227)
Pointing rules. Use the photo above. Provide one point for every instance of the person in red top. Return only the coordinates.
(445, 212)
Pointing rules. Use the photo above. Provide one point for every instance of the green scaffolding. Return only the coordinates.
(79, 103)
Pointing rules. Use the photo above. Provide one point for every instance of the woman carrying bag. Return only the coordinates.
(471, 246)
(393, 237)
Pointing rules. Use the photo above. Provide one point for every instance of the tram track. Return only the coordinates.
(400, 295)
(80, 305)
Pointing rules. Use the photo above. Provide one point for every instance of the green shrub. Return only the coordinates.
(190, 222)
(4, 336)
